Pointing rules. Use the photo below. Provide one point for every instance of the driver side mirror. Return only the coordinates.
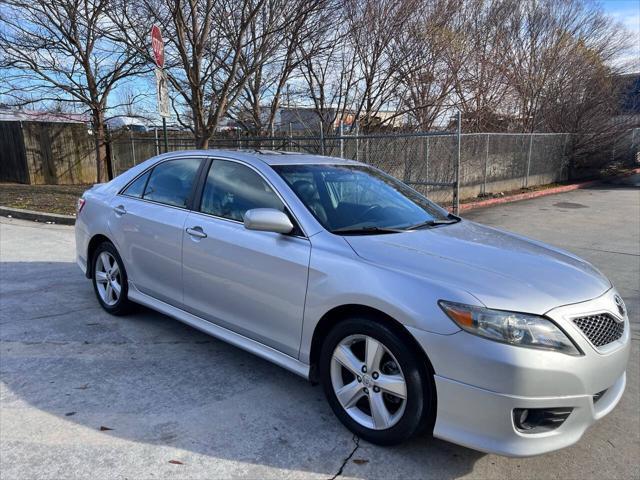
(267, 220)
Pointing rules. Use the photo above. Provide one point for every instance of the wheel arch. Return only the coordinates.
(343, 312)
(95, 241)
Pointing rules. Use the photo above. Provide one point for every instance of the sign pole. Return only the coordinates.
(157, 45)
(164, 132)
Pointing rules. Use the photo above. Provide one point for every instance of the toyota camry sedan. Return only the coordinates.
(413, 320)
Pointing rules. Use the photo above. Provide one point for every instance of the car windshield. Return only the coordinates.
(356, 199)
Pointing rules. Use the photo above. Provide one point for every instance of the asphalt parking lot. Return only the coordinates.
(87, 395)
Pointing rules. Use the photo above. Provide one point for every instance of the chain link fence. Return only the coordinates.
(490, 163)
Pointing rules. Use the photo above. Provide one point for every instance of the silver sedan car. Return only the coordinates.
(412, 319)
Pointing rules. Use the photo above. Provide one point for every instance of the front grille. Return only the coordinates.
(601, 329)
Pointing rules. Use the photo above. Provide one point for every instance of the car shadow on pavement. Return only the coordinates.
(151, 380)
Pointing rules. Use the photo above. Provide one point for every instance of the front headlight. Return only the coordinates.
(509, 327)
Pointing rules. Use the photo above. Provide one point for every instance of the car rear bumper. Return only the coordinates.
(480, 383)
(82, 244)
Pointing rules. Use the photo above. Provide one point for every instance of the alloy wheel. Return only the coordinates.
(368, 382)
(108, 278)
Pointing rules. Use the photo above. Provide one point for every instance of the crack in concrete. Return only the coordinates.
(608, 251)
(356, 440)
(62, 314)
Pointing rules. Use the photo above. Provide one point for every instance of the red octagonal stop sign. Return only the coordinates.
(158, 45)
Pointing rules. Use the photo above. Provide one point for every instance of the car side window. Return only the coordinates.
(136, 188)
(171, 181)
(232, 188)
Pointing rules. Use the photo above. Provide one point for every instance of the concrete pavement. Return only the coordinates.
(87, 395)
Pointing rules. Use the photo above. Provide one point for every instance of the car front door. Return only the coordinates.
(251, 282)
(147, 223)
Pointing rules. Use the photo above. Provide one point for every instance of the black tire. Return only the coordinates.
(123, 305)
(420, 408)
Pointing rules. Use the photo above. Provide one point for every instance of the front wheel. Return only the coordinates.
(375, 383)
(110, 280)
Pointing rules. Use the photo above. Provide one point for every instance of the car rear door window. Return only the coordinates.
(136, 188)
(171, 182)
(232, 188)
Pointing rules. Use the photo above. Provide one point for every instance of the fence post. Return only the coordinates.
(526, 177)
(358, 141)
(486, 168)
(321, 139)
(155, 133)
(565, 162)
(456, 192)
(290, 137)
(426, 160)
(133, 147)
(273, 147)
(164, 133)
(341, 139)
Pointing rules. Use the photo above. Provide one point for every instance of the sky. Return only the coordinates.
(627, 12)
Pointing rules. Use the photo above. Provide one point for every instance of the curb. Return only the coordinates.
(37, 216)
(539, 193)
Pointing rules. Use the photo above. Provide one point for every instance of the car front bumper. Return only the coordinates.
(480, 382)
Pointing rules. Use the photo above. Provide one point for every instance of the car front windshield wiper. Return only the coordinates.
(370, 230)
(434, 223)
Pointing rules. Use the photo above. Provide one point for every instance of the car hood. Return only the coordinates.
(502, 270)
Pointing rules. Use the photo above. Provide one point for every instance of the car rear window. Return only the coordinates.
(171, 182)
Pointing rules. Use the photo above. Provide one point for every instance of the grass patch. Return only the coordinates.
(42, 198)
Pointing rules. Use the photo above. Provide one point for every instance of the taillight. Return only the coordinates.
(80, 205)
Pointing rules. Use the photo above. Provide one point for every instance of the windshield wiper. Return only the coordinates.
(371, 230)
(434, 223)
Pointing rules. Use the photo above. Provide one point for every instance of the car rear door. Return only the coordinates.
(147, 224)
(253, 283)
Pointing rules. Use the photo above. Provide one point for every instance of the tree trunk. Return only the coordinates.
(99, 133)
(202, 142)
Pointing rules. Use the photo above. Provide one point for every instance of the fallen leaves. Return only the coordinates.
(104, 429)
(176, 462)
(360, 461)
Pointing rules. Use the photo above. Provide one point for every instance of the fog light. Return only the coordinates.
(536, 420)
(522, 414)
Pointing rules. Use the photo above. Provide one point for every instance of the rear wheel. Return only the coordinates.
(375, 383)
(110, 279)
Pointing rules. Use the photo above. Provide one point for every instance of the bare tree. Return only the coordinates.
(328, 71)
(61, 50)
(211, 50)
(543, 38)
(477, 55)
(128, 98)
(259, 103)
(583, 99)
(426, 77)
(374, 30)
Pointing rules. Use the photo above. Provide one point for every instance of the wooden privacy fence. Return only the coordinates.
(46, 153)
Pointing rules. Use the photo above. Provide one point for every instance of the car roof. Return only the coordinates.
(273, 157)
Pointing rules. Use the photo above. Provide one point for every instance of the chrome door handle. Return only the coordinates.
(120, 210)
(196, 232)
